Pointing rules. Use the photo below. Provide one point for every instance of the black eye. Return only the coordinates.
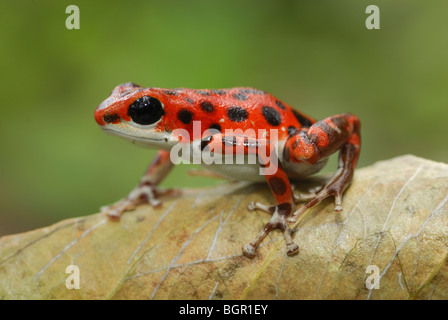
(146, 110)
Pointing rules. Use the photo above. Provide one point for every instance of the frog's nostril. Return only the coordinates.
(111, 118)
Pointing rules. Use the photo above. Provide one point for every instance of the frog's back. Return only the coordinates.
(235, 108)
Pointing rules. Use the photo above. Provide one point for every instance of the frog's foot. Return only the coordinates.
(334, 188)
(308, 195)
(142, 194)
(277, 221)
(253, 205)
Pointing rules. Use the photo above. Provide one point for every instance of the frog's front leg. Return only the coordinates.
(281, 188)
(276, 178)
(340, 132)
(146, 191)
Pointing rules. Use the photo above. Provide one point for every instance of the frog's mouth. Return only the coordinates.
(139, 137)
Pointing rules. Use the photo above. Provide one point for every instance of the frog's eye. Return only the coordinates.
(146, 110)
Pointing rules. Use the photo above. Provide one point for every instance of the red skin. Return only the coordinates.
(306, 141)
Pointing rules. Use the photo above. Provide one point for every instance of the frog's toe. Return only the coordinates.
(338, 203)
(292, 248)
(277, 221)
(333, 189)
(253, 205)
(311, 203)
(143, 194)
(249, 250)
(309, 194)
(115, 210)
(303, 197)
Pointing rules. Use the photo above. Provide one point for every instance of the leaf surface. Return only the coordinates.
(395, 218)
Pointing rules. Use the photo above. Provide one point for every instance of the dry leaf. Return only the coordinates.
(395, 219)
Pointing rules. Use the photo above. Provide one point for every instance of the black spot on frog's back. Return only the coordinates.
(252, 91)
(207, 106)
(185, 116)
(237, 114)
(171, 92)
(271, 115)
(240, 96)
(291, 130)
(305, 122)
(218, 91)
(216, 126)
(280, 104)
(203, 92)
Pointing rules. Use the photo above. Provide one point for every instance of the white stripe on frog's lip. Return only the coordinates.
(137, 140)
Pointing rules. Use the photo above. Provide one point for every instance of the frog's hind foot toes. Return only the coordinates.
(303, 197)
(309, 194)
(253, 205)
(331, 190)
(277, 221)
(338, 203)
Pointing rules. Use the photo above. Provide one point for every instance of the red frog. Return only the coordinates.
(229, 121)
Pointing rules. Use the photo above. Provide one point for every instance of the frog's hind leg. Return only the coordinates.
(340, 132)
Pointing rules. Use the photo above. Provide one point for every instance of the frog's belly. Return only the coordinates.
(302, 170)
(252, 172)
(249, 172)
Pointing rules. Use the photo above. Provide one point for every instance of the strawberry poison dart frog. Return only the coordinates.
(292, 144)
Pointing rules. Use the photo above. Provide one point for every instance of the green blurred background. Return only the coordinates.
(315, 55)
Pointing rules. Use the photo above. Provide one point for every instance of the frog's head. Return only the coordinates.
(134, 113)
